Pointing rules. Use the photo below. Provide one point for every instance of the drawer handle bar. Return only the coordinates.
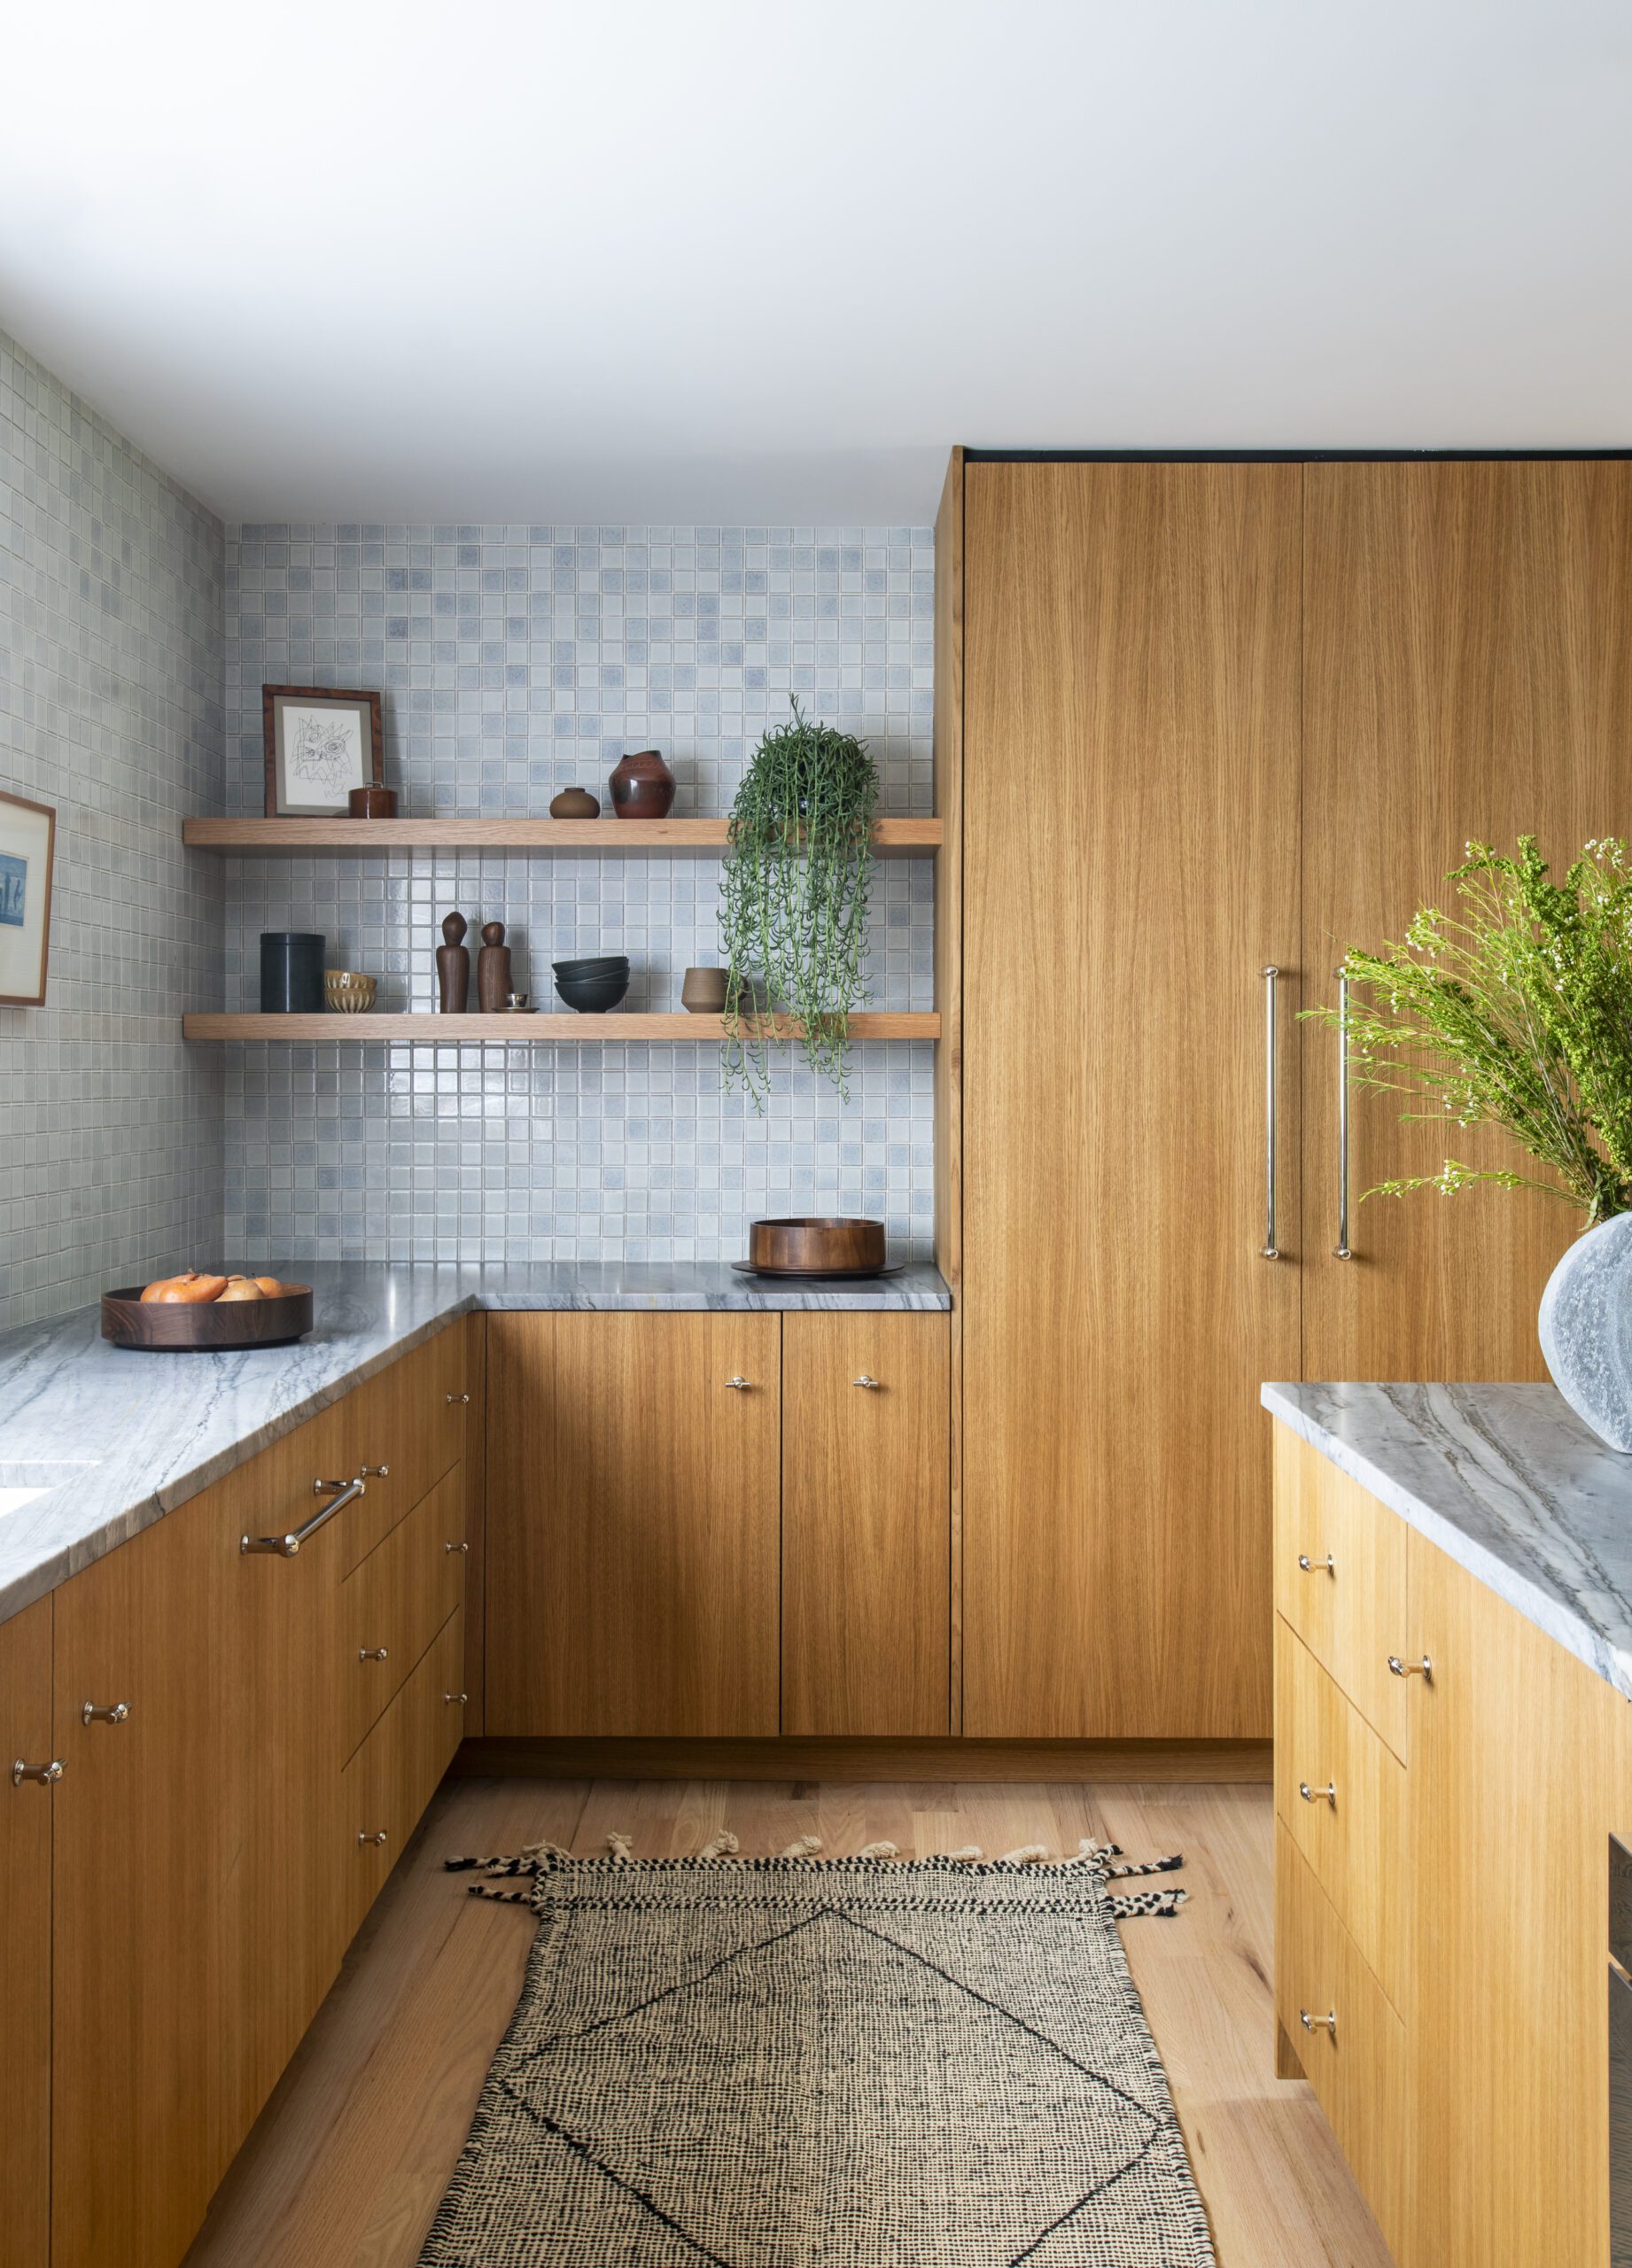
(114, 1714)
(458, 1700)
(1269, 1249)
(363, 1835)
(458, 1397)
(1326, 1567)
(455, 1547)
(865, 1379)
(286, 1546)
(46, 1775)
(1327, 1795)
(374, 1653)
(739, 1386)
(1319, 2023)
(1423, 1669)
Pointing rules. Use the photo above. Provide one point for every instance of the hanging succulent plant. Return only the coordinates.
(794, 897)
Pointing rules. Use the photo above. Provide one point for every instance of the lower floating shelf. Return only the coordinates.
(463, 1031)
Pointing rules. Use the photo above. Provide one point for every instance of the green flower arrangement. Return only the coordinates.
(794, 897)
(1516, 1010)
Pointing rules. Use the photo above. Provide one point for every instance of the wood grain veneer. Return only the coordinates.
(26, 1936)
(632, 1523)
(1131, 685)
(976, 1762)
(949, 999)
(864, 1524)
(375, 838)
(1467, 675)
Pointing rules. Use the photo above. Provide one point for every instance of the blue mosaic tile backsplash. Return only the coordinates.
(111, 615)
(514, 661)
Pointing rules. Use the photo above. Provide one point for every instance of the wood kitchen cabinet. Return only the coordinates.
(632, 1523)
(1441, 1886)
(866, 1527)
(26, 1935)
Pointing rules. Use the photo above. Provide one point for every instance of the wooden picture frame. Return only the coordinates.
(321, 741)
(28, 857)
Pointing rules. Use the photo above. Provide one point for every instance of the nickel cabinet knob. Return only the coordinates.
(1328, 2023)
(374, 1653)
(46, 1775)
(739, 1386)
(374, 1471)
(1423, 1669)
(1326, 1567)
(865, 1379)
(378, 1837)
(456, 1700)
(458, 1397)
(455, 1547)
(1327, 1795)
(115, 1714)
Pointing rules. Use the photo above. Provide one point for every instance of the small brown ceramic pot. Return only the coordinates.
(643, 786)
(373, 803)
(703, 991)
(575, 803)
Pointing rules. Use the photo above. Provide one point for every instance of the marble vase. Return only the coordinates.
(1586, 1329)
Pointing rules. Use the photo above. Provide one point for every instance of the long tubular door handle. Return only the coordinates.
(1269, 1249)
(1340, 1250)
(287, 1546)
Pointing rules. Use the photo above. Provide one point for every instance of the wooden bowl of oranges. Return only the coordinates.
(192, 1313)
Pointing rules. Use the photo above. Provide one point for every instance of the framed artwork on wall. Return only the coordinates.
(28, 846)
(320, 744)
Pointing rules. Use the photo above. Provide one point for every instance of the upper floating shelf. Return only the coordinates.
(532, 1030)
(550, 838)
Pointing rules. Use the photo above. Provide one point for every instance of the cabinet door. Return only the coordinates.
(1131, 796)
(26, 1936)
(865, 1524)
(140, 1854)
(633, 1522)
(1516, 1777)
(1466, 631)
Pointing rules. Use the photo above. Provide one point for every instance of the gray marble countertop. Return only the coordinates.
(1508, 1481)
(112, 1440)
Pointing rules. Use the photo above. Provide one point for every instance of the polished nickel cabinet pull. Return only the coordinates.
(1319, 2023)
(1423, 1669)
(374, 1471)
(1269, 1249)
(458, 1397)
(287, 1546)
(46, 1775)
(1340, 1250)
(455, 1547)
(1326, 1567)
(457, 1700)
(90, 1714)
(1327, 1795)
(378, 1837)
(739, 1385)
(865, 1380)
(374, 1653)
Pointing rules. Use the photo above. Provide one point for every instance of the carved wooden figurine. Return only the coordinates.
(453, 966)
(493, 971)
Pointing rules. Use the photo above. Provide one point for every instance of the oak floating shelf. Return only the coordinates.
(609, 1031)
(548, 838)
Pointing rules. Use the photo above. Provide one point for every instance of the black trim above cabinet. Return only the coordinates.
(1295, 456)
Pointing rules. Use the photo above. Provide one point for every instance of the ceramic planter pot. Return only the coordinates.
(1586, 1329)
(643, 786)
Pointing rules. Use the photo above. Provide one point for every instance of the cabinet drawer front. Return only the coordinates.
(395, 1774)
(1358, 2069)
(1340, 1792)
(398, 1599)
(1340, 1581)
(411, 1420)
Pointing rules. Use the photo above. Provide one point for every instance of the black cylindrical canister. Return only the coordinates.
(291, 973)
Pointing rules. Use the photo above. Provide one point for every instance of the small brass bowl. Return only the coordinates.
(348, 992)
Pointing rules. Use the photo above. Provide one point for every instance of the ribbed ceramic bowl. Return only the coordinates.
(348, 992)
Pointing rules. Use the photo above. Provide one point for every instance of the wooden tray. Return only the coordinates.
(819, 1275)
(165, 1326)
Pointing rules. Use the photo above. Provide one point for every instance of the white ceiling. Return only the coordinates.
(726, 259)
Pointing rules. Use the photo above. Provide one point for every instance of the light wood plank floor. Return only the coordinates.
(349, 2158)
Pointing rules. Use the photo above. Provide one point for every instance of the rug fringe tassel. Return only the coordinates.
(1028, 1855)
(1140, 1902)
(806, 1847)
(723, 1845)
(619, 1846)
(879, 1851)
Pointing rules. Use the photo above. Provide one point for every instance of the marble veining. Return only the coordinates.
(1508, 1481)
(115, 1439)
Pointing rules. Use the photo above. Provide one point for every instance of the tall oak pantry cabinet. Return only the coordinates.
(1198, 722)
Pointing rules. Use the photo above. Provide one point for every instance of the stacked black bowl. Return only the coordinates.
(594, 985)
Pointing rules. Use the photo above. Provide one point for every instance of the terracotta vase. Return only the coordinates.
(643, 786)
